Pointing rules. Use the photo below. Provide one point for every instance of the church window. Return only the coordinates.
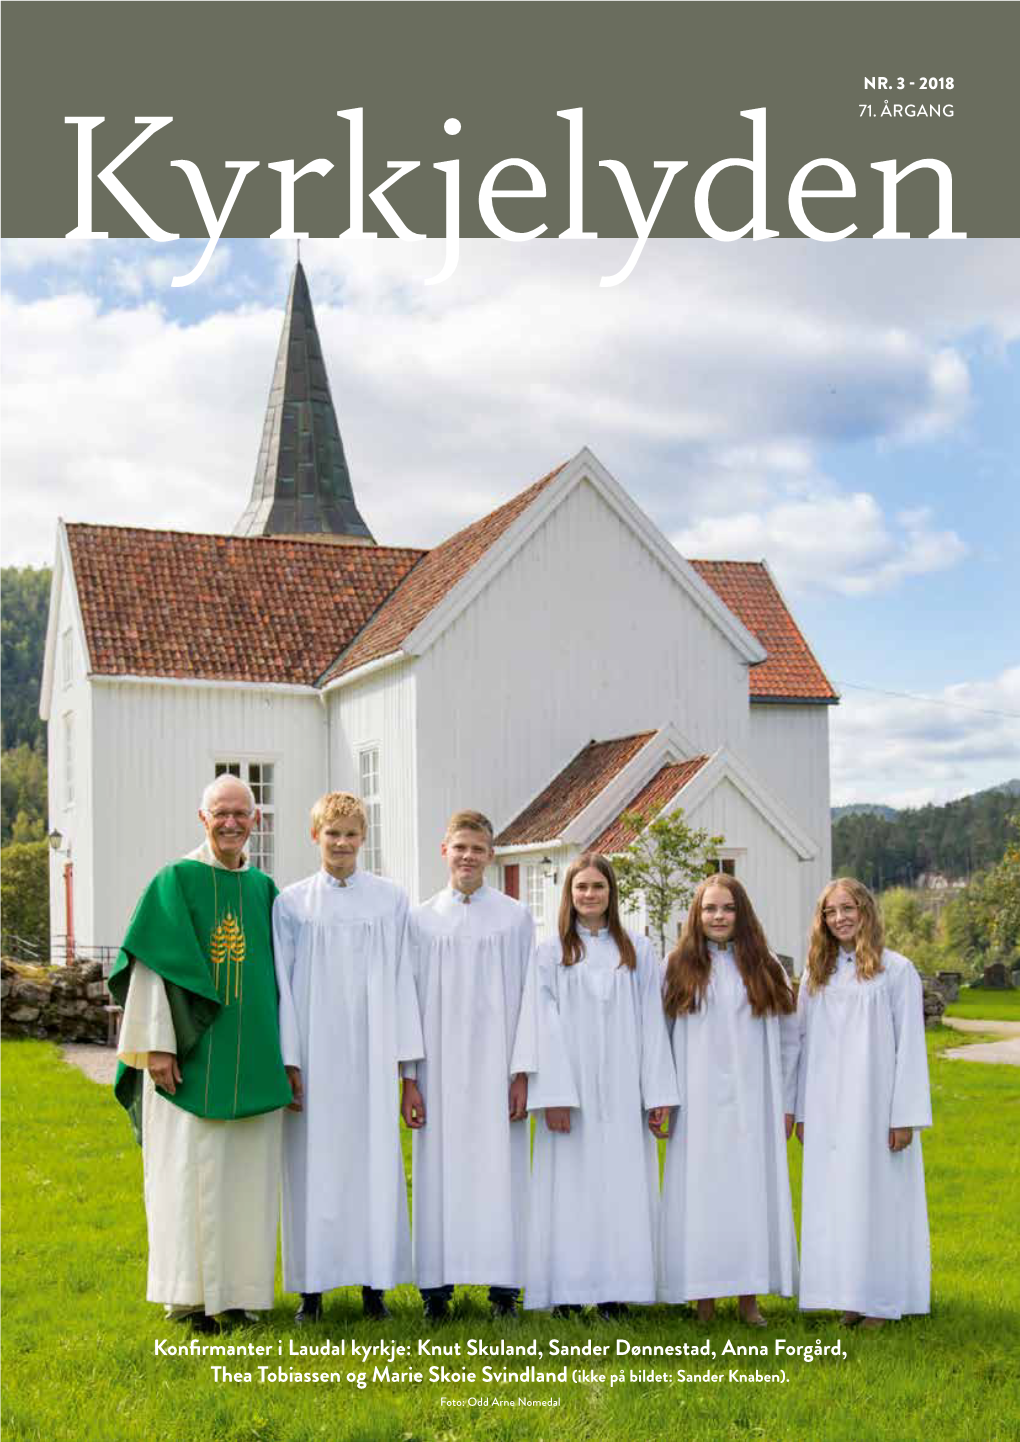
(69, 758)
(368, 789)
(67, 656)
(536, 894)
(261, 777)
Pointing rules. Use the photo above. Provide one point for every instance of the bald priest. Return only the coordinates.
(201, 1071)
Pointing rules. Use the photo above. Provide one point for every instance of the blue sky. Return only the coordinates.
(847, 412)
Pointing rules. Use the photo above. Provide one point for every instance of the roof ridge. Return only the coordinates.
(321, 544)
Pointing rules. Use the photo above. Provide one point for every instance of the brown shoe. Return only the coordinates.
(706, 1309)
(851, 1319)
(872, 1324)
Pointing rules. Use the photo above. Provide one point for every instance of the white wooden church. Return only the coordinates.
(554, 664)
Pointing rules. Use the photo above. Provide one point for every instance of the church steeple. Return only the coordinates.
(302, 486)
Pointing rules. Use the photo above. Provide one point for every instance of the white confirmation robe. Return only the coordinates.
(727, 1217)
(212, 1188)
(594, 1037)
(348, 1017)
(864, 1069)
(471, 1162)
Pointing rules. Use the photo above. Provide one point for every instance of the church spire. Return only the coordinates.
(302, 486)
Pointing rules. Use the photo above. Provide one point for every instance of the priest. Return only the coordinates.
(470, 946)
(348, 1018)
(201, 1071)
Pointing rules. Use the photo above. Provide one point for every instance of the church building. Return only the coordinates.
(555, 664)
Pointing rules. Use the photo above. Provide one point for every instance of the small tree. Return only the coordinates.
(1003, 886)
(25, 888)
(662, 865)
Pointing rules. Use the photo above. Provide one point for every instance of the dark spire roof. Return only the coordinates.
(302, 486)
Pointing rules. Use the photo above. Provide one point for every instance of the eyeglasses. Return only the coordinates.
(833, 913)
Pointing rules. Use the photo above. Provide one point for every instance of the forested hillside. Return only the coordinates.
(23, 607)
(956, 840)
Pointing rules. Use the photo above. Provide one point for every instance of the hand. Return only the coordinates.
(658, 1118)
(800, 1132)
(164, 1070)
(789, 1126)
(900, 1138)
(519, 1097)
(412, 1104)
(297, 1088)
(557, 1119)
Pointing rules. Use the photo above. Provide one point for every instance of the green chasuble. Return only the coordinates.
(207, 932)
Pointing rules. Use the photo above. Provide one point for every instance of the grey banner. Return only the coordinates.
(656, 83)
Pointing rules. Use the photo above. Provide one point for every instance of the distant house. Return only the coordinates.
(554, 664)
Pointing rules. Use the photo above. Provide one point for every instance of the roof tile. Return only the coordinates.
(790, 672)
(225, 608)
(649, 801)
(569, 793)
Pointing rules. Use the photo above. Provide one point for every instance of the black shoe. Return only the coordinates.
(236, 1317)
(197, 1321)
(310, 1309)
(611, 1311)
(504, 1307)
(437, 1309)
(376, 1309)
(566, 1309)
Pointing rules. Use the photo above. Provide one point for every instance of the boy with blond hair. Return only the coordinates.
(470, 946)
(348, 1018)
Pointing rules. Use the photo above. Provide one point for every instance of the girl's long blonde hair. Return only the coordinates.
(823, 947)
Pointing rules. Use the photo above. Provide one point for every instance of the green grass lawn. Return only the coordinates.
(78, 1338)
(983, 1004)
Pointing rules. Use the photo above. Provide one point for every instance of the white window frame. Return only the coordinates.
(68, 759)
(262, 842)
(370, 792)
(535, 892)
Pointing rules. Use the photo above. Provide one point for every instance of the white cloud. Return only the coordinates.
(709, 383)
(828, 541)
(907, 752)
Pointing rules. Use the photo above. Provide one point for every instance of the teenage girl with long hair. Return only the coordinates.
(863, 1095)
(593, 1040)
(726, 1226)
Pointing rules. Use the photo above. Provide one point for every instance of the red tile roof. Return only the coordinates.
(429, 583)
(570, 792)
(169, 603)
(649, 801)
(791, 672)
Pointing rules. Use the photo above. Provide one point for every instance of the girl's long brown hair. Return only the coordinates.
(689, 965)
(571, 942)
(823, 948)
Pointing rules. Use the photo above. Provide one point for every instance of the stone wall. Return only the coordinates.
(59, 1003)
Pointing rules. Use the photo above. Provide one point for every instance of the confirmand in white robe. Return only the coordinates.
(212, 1188)
(471, 1162)
(348, 1017)
(726, 1226)
(864, 1069)
(593, 1037)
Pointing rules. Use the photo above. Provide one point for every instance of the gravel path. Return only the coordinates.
(99, 1063)
(997, 1053)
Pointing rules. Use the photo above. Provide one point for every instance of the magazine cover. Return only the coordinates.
(511, 721)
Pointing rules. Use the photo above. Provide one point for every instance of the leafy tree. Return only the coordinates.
(22, 795)
(910, 928)
(25, 892)
(662, 865)
(23, 615)
(1003, 886)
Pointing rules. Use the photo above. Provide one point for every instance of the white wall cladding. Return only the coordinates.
(790, 747)
(768, 867)
(381, 711)
(74, 821)
(155, 747)
(641, 653)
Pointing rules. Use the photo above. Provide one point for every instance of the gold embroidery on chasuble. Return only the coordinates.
(227, 950)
